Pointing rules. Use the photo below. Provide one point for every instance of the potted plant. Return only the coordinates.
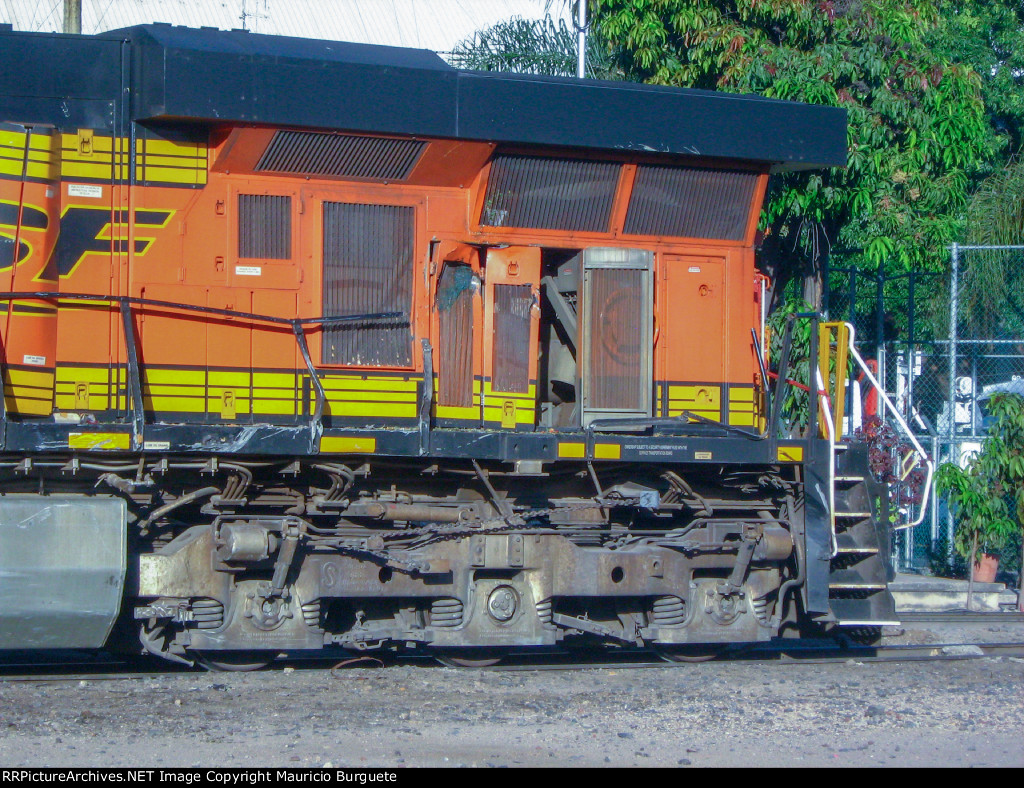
(987, 495)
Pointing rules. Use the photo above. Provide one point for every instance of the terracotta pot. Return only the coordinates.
(986, 568)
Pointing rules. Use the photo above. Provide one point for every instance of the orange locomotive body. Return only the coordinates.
(344, 347)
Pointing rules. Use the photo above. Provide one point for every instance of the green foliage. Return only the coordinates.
(917, 134)
(527, 46)
(988, 495)
(795, 405)
(988, 35)
(996, 211)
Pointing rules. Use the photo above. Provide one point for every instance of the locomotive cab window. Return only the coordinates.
(368, 270)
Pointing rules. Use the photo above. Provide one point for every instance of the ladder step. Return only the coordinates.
(854, 515)
(857, 551)
(852, 586)
(850, 479)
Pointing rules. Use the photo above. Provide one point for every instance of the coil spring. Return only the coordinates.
(761, 609)
(311, 614)
(207, 614)
(446, 612)
(668, 611)
(545, 609)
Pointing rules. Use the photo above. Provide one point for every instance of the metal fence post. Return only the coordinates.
(954, 281)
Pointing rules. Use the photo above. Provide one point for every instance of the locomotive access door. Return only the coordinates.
(617, 333)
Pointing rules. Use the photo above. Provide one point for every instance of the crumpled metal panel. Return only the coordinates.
(62, 570)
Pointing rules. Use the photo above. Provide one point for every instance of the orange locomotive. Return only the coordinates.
(316, 344)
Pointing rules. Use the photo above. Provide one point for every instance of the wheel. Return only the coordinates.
(231, 661)
(687, 653)
(470, 658)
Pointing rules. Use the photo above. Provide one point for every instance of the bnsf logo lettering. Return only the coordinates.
(87, 230)
(32, 219)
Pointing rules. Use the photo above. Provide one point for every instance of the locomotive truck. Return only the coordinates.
(311, 345)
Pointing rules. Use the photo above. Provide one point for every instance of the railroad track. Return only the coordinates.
(797, 653)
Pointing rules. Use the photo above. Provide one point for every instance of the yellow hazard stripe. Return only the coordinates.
(99, 440)
(336, 444)
(790, 453)
(575, 451)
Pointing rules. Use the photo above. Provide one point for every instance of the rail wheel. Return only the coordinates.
(470, 658)
(231, 661)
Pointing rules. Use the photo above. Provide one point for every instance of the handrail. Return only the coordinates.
(906, 429)
(830, 433)
(125, 303)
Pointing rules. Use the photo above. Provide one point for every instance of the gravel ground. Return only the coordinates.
(961, 713)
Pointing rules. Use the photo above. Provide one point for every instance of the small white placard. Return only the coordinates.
(84, 190)
(248, 270)
(694, 269)
(35, 361)
(156, 445)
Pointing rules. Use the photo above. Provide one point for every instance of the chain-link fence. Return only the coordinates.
(944, 344)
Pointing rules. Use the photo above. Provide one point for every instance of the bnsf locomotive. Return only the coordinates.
(311, 344)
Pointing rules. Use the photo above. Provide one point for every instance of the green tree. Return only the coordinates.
(988, 495)
(917, 133)
(989, 36)
(532, 46)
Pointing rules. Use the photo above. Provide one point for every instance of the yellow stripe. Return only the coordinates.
(376, 396)
(163, 390)
(168, 175)
(193, 377)
(83, 375)
(98, 440)
(790, 453)
(171, 148)
(177, 404)
(371, 409)
(741, 394)
(741, 419)
(25, 377)
(222, 378)
(274, 394)
(453, 412)
(273, 379)
(607, 451)
(272, 408)
(339, 445)
(576, 451)
(374, 384)
(496, 414)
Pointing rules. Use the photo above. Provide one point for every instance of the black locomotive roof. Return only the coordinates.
(234, 76)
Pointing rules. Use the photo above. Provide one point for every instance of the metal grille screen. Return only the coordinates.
(511, 371)
(690, 201)
(340, 155)
(455, 308)
(368, 257)
(264, 226)
(552, 194)
(615, 370)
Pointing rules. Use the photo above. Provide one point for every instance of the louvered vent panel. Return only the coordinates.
(340, 155)
(550, 194)
(615, 374)
(368, 257)
(511, 371)
(264, 226)
(455, 308)
(691, 202)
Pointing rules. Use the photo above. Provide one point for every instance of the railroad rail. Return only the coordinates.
(796, 652)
